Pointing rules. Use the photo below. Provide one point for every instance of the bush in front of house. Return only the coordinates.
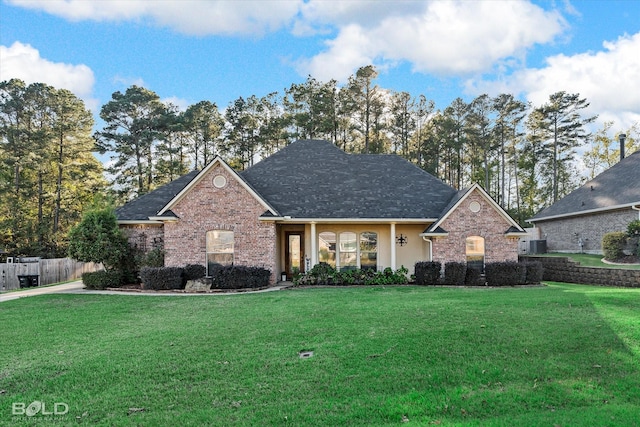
(194, 271)
(102, 279)
(427, 273)
(473, 277)
(323, 274)
(613, 245)
(161, 278)
(534, 271)
(507, 273)
(239, 277)
(455, 273)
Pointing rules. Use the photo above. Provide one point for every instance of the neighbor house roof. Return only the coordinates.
(314, 179)
(616, 188)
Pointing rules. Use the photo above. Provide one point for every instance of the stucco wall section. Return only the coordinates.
(206, 208)
(487, 223)
(565, 234)
(144, 237)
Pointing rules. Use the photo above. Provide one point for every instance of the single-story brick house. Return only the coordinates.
(607, 203)
(311, 202)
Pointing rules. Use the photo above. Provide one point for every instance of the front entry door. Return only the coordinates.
(293, 253)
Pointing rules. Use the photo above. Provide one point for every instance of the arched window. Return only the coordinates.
(369, 250)
(220, 247)
(475, 252)
(327, 248)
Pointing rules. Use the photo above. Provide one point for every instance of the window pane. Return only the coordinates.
(348, 250)
(475, 252)
(327, 248)
(220, 246)
(368, 250)
(220, 241)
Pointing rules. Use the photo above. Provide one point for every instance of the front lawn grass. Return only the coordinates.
(557, 355)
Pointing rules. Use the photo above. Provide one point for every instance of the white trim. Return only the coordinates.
(314, 245)
(287, 219)
(393, 246)
(164, 219)
(217, 161)
(634, 206)
(139, 222)
(486, 196)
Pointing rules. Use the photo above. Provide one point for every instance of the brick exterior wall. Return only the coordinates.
(208, 208)
(144, 237)
(565, 234)
(487, 223)
(561, 269)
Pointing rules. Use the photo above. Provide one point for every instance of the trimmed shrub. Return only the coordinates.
(473, 277)
(508, 273)
(153, 258)
(455, 273)
(427, 272)
(240, 277)
(194, 271)
(162, 278)
(534, 271)
(633, 229)
(102, 279)
(613, 245)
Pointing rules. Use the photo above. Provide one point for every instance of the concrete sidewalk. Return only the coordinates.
(77, 287)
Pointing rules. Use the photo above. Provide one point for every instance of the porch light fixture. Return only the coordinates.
(402, 240)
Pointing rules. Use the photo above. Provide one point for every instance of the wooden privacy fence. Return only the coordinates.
(48, 271)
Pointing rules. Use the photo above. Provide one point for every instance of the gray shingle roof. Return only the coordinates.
(149, 204)
(617, 186)
(316, 179)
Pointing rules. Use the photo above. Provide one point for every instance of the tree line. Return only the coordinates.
(523, 155)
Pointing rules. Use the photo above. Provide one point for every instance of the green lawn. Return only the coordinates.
(563, 355)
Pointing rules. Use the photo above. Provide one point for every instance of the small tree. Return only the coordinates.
(97, 238)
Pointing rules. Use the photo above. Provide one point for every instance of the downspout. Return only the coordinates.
(636, 208)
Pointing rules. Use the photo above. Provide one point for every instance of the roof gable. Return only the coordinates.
(217, 161)
(617, 187)
(436, 228)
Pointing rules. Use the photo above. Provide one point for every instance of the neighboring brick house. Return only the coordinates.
(311, 202)
(607, 203)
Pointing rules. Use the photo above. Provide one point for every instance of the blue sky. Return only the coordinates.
(187, 51)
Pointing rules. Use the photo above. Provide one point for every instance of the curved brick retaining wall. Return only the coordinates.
(562, 269)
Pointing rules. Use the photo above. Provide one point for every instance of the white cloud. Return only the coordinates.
(195, 17)
(608, 79)
(21, 61)
(452, 37)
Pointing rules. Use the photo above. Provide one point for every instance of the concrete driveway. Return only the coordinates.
(66, 287)
(77, 287)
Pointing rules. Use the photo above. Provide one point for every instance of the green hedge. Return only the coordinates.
(194, 271)
(102, 279)
(455, 273)
(239, 277)
(427, 272)
(613, 245)
(162, 278)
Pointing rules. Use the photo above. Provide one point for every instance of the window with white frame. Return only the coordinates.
(349, 250)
